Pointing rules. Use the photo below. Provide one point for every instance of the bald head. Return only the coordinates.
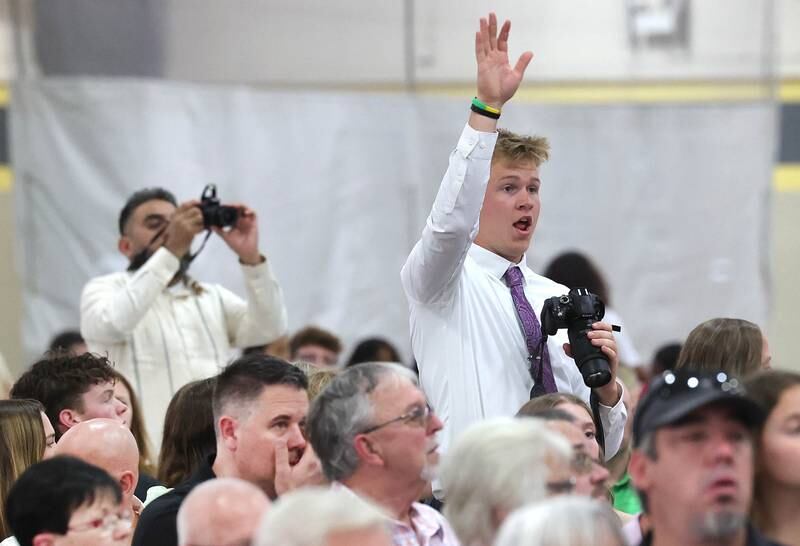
(221, 511)
(108, 444)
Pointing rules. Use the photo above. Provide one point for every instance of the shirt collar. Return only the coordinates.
(495, 264)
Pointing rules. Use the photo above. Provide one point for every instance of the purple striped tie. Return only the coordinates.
(539, 357)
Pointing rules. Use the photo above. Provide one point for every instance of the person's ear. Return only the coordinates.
(125, 246)
(640, 470)
(228, 432)
(68, 418)
(369, 452)
(44, 539)
(127, 482)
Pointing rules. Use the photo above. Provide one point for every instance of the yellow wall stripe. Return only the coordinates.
(786, 177)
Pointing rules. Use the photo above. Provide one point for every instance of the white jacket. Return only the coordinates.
(161, 338)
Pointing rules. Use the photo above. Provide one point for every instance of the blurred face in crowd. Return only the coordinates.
(700, 480)
(590, 475)
(143, 224)
(49, 437)
(317, 355)
(766, 354)
(408, 447)
(780, 444)
(584, 421)
(510, 209)
(252, 431)
(98, 402)
(122, 394)
(101, 523)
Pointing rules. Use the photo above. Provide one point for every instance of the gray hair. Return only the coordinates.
(305, 517)
(343, 410)
(498, 465)
(562, 521)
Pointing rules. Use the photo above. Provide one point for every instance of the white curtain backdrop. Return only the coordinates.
(670, 201)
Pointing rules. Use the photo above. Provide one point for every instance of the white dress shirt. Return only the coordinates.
(163, 337)
(466, 337)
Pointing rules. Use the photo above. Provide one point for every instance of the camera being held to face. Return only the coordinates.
(215, 214)
(577, 311)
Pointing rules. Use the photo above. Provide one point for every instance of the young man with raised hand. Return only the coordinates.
(473, 299)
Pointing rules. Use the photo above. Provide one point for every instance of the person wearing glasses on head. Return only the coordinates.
(375, 436)
(64, 501)
(693, 460)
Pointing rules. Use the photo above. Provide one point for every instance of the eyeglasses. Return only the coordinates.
(105, 524)
(417, 416)
(561, 487)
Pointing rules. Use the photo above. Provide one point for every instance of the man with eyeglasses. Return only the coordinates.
(693, 460)
(64, 501)
(375, 435)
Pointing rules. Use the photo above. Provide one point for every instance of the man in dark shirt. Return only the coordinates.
(260, 405)
(693, 460)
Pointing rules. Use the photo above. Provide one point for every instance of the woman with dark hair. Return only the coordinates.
(188, 432)
(575, 270)
(26, 437)
(734, 346)
(123, 391)
(776, 496)
(374, 349)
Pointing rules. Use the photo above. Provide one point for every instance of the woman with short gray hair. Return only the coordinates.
(562, 521)
(498, 465)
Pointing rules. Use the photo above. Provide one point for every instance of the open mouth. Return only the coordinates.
(524, 224)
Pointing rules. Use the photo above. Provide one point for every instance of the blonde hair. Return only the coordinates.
(318, 380)
(723, 344)
(514, 148)
(22, 444)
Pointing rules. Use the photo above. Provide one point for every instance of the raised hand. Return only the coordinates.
(497, 80)
(185, 223)
(243, 237)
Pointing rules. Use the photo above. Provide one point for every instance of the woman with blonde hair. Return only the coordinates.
(26, 437)
(734, 346)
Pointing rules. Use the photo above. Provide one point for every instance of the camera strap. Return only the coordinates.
(192, 256)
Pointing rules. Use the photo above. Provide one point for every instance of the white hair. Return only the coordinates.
(562, 521)
(307, 516)
(496, 466)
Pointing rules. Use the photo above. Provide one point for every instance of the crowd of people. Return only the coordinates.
(144, 428)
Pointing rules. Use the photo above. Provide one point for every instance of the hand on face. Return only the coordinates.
(297, 468)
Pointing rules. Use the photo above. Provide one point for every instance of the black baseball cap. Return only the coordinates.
(675, 394)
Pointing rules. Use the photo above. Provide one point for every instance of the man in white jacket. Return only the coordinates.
(163, 329)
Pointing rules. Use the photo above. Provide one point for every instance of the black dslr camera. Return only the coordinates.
(576, 312)
(215, 214)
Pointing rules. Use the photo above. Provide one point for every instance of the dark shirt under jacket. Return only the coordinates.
(158, 523)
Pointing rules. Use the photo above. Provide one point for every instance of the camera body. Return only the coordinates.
(577, 311)
(215, 214)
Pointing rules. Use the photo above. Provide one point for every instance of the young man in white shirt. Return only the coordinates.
(473, 354)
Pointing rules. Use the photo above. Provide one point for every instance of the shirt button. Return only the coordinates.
(482, 146)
